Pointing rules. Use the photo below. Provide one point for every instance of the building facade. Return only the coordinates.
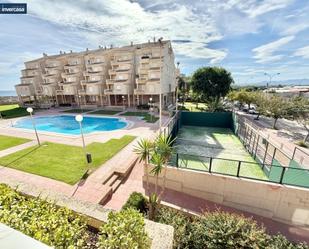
(126, 76)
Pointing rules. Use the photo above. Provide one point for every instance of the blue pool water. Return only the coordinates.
(66, 124)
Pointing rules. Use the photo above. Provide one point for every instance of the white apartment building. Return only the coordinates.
(129, 76)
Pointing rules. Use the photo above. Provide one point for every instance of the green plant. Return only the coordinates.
(280, 242)
(56, 226)
(181, 224)
(137, 201)
(216, 230)
(302, 144)
(125, 229)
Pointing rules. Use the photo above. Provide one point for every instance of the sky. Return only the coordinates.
(247, 37)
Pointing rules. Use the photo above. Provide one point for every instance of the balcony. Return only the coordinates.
(67, 66)
(141, 80)
(143, 70)
(108, 91)
(66, 74)
(89, 63)
(110, 81)
(25, 89)
(89, 81)
(116, 62)
(139, 91)
(118, 89)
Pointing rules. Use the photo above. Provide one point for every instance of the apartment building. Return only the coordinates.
(129, 75)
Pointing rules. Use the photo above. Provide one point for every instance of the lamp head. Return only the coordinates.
(79, 118)
(29, 109)
(150, 99)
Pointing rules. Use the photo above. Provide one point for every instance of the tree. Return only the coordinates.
(261, 104)
(158, 153)
(300, 112)
(211, 83)
(143, 150)
(275, 107)
(182, 89)
(243, 97)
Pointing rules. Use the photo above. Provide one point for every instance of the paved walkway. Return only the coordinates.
(17, 148)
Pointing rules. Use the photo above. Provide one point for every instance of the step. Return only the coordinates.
(107, 177)
(112, 179)
(116, 185)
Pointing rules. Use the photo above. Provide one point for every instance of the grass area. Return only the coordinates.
(12, 111)
(196, 145)
(63, 162)
(77, 110)
(146, 116)
(105, 112)
(193, 107)
(7, 142)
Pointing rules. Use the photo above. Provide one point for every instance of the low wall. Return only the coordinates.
(161, 235)
(210, 119)
(279, 202)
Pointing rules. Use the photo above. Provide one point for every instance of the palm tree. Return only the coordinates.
(164, 147)
(158, 162)
(143, 150)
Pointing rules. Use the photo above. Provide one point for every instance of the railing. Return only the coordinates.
(172, 126)
(249, 170)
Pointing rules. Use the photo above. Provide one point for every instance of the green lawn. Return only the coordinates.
(77, 110)
(12, 111)
(193, 107)
(7, 142)
(146, 116)
(63, 162)
(105, 112)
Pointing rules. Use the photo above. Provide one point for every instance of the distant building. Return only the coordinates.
(290, 91)
(129, 75)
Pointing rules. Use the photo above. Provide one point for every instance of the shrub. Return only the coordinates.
(125, 229)
(280, 242)
(181, 224)
(302, 144)
(137, 201)
(56, 226)
(224, 230)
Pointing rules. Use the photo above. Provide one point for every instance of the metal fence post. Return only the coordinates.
(257, 145)
(282, 174)
(177, 165)
(210, 164)
(238, 169)
(265, 151)
(275, 149)
(294, 152)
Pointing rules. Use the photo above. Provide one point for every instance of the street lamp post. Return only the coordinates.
(150, 109)
(80, 103)
(123, 100)
(79, 119)
(270, 78)
(160, 98)
(30, 110)
(177, 86)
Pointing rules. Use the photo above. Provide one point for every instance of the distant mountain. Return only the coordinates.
(291, 82)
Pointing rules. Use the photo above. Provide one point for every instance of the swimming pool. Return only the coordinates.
(67, 124)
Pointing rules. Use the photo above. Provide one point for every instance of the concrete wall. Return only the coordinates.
(209, 119)
(282, 203)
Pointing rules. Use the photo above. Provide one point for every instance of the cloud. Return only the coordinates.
(255, 8)
(265, 53)
(120, 21)
(302, 52)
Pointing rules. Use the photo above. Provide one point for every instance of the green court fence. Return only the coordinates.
(275, 173)
(276, 164)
